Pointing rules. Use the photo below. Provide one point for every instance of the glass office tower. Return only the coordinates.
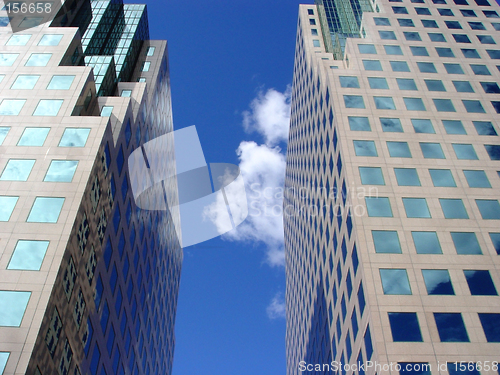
(392, 214)
(88, 281)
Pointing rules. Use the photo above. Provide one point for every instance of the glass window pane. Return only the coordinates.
(412, 36)
(423, 126)
(38, 59)
(495, 239)
(386, 241)
(29, 22)
(354, 101)
(451, 327)
(45, 210)
(399, 66)
(367, 48)
(465, 151)
(445, 52)
(414, 104)
(486, 39)
(418, 51)
(426, 67)
(11, 107)
(405, 22)
(462, 86)
(18, 40)
(470, 53)
(453, 68)
(453, 24)
(480, 283)
(477, 179)
(453, 127)
(391, 125)
(453, 208)
(365, 148)
(4, 357)
(106, 111)
(461, 38)
(74, 137)
(357, 123)
(48, 107)
(490, 87)
(406, 84)
(7, 59)
(61, 170)
(4, 130)
(384, 102)
(493, 151)
(491, 326)
(466, 243)
(438, 282)
(432, 150)
(151, 51)
(7, 205)
(378, 83)
(393, 50)
(399, 10)
(407, 176)
(473, 106)
(60, 82)
(444, 105)
(33, 137)
(426, 243)
(395, 281)
(405, 327)
(12, 307)
(436, 37)
(480, 70)
(17, 170)
(126, 93)
(24, 82)
(28, 255)
(416, 208)
(346, 81)
(50, 40)
(415, 368)
(489, 209)
(399, 149)
(484, 128)
(434, 85)
(371, 176)
(378, 207)
(372, 65)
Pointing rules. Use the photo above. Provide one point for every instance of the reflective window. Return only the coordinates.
(406, 84)
(45, 210)
(365, 148)
(74, 137)
(388, 35)
(468, 13)
(378, 207)
(378, 83)
(354, 101)
(473, 106)
(466, 243)
(386, 241)
(357, 123)
(491, 14)
(106, 111)
(372, 65)
(33, 137)
(480, 283)
(399, 10)
(393, 50)
(151, 50)
(489, 209)
(436, 37)
(25, 82)
(462, 86)
(453, 24)
(399, 149)
(445, 12)
(494, 53)
(414, 104)
(423, 126)
(444, 52)
(438, 282)
(29, 22)
(348, 81)
(453, 127)
(451, 327)
(414, 368)
(407, 176)
(18, 40)
(423, 11)
(38, 59)
(60, 82)
(480, 70)
(4, 357)
(477, 179)
(384, 102)
(426, 243)
(426, 67)
(48, 107)
(395, 281)
(477, 26)
(12, 307)
(17, 170)
(367, 48)
(11, 107)
(434, 85)
(486, 39)
(493, 151)
(61, 171)
(50, 40)
(126, 93)
(484, 128)
(399, 66)
(4, 130)
(490, 87)
(464, 151)
(7, 205)
(432, 150)
(405, 22)
(416, 208)
(430, 24)
(470, 53)
(453, 208)
(391, 125)
(371, 176)
(147, 64)
(491, 326)
(405, 327)
(28, 255)
(461, 38)
(453, 68)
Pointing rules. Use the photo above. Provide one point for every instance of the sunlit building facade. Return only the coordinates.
(88, 281)
(392, 213)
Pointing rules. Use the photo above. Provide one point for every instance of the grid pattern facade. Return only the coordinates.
(392, 190)
(88, 281)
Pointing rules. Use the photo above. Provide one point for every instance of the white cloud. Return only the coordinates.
(269, 116)
(276, 309)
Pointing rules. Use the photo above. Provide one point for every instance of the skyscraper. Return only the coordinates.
(392, 207)
(88, 281)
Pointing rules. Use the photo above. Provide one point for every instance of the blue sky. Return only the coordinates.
(230, 65)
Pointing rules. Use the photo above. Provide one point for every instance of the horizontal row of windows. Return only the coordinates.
(427, 242)
(459, 38)
(20, 169)
(442, 12)
(409, 177)
(430, 150)
(44, 209)
(394, 125)
(45, 107)
(72, 137)
(28, 82)
(35, 59)
(441, 2)
(23, 39)
(452, 208)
